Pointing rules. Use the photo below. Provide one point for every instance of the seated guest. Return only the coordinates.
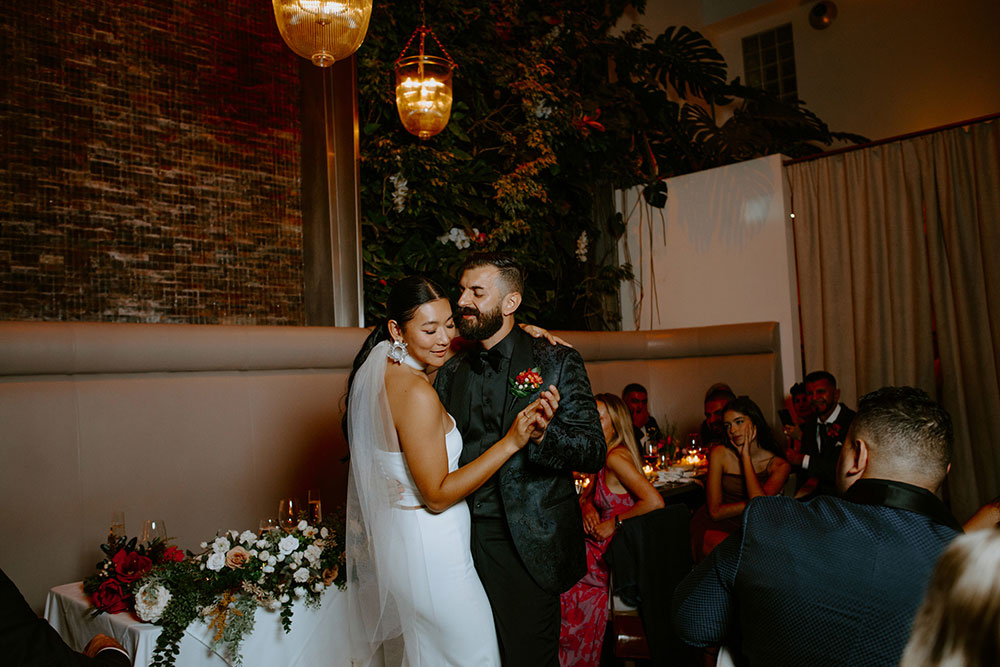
(822, 435)
(802, 410)
(959, 623)
(28, 640)
(645, 429)
(747, 466)
(834, 581)
(712, 431)
(619, 492)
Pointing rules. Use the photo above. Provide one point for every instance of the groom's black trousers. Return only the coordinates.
(527, 617)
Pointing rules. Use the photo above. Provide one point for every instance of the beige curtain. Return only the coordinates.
(887, 238)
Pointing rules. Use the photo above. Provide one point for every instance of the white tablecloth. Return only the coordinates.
(318, 637)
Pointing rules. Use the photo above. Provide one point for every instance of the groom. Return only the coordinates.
(527, 532)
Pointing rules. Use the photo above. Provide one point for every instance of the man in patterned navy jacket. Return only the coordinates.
(835, 580)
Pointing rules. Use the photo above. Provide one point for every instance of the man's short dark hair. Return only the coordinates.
(798, 388)
(907, 428)
(719, 390)
(511, 271)
(633, 388)
(819, 376)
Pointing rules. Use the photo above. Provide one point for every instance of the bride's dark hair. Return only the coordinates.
(405, 297)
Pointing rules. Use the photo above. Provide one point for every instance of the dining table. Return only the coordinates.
(318, 636)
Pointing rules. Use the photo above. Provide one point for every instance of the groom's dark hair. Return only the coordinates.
(511, 272)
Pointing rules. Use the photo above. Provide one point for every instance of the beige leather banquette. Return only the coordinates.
(206, 427)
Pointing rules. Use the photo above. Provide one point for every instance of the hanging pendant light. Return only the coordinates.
(423, 86)
(324, 31)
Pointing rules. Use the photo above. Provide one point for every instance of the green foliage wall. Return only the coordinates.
(551, 113)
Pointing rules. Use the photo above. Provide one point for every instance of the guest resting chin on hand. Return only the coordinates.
(620, 491)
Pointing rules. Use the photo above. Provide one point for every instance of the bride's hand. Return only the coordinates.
(528, 423)
(536, 331)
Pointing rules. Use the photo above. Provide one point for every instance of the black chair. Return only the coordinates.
(648, 557)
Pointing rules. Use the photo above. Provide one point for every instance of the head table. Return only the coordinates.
(318, 636)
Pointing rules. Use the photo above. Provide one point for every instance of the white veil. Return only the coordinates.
(383, 565)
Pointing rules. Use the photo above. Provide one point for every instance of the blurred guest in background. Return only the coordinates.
(27, 640)
(822, 435)
(959, 623)
(802, 409)
(834, 581)
(987, 516)
(645, 429)
(748, 465)
(619, 492)
(712, 431)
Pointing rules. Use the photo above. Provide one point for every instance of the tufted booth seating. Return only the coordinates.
(205, 427)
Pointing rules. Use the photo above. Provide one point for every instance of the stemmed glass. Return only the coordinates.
(315, 507)
(152, 529)
(288, 513)
(117, 529)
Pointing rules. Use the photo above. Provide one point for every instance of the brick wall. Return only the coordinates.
(149, 163)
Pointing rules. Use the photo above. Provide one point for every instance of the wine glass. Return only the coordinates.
(266, 526)
(288, 513)
(315, 507)
(117, 530)
(152, 529)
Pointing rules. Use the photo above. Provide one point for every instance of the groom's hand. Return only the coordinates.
(549, 403)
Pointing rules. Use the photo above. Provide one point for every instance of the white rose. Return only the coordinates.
(264, 556)
(293, 566)
(234, 534)
(274, 605)
(150, 602)
(313, 553)
(319, 586)
(302, 525)
(299, 591)
(248, 536)
(216, 561)
(271, 561)
(324, 532)
(268, 569)
(253, 552)
(284, 598)
(221, 545)
(261, 544)
(281, 557)
(301, 575)
(288, 544)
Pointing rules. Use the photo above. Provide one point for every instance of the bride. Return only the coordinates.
(410, 570)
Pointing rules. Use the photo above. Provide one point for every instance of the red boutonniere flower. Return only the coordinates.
(525, 383)
(833, 430)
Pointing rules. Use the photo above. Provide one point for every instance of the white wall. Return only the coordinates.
(720, 252)
(884, 68)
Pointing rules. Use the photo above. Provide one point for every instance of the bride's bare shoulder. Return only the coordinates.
(410, 393)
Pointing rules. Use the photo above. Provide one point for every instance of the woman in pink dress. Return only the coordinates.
(620, 491)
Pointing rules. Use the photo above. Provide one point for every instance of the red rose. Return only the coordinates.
(110, 597)
(173, 555)
(130, 566)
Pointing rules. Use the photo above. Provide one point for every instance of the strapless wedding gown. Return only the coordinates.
(432, 570)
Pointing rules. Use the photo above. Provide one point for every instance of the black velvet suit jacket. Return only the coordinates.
(823, 463)
(833, 581)
(536, 484)
(26, 640)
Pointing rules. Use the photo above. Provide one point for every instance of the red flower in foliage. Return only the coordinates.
(588, 123)
(172, 555)
(110, 597)
(130, 566)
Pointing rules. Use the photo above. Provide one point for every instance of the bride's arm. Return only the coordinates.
(419, 417)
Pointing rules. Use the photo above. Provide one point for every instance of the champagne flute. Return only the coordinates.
(117, 529)
(288, 513)
(315, 507)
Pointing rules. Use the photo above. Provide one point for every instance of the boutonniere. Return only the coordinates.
(833, 430)
(525, 383)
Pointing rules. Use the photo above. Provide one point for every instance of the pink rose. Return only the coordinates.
(237, 557)
(130, 566)
(110, 597)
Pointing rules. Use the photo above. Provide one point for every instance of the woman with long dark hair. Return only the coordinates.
(410, 569)
(747, 465)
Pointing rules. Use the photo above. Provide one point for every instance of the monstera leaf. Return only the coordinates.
(689, 62)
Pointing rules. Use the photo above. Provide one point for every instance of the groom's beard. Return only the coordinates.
(481, 326)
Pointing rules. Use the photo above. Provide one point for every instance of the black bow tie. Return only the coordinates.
(481, 357)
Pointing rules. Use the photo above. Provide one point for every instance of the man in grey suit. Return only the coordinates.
(834, 581)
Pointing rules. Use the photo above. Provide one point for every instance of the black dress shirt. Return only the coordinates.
(488, 384)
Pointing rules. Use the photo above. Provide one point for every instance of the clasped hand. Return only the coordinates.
(531, 422)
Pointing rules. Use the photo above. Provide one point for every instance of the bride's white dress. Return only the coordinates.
(432, 570)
